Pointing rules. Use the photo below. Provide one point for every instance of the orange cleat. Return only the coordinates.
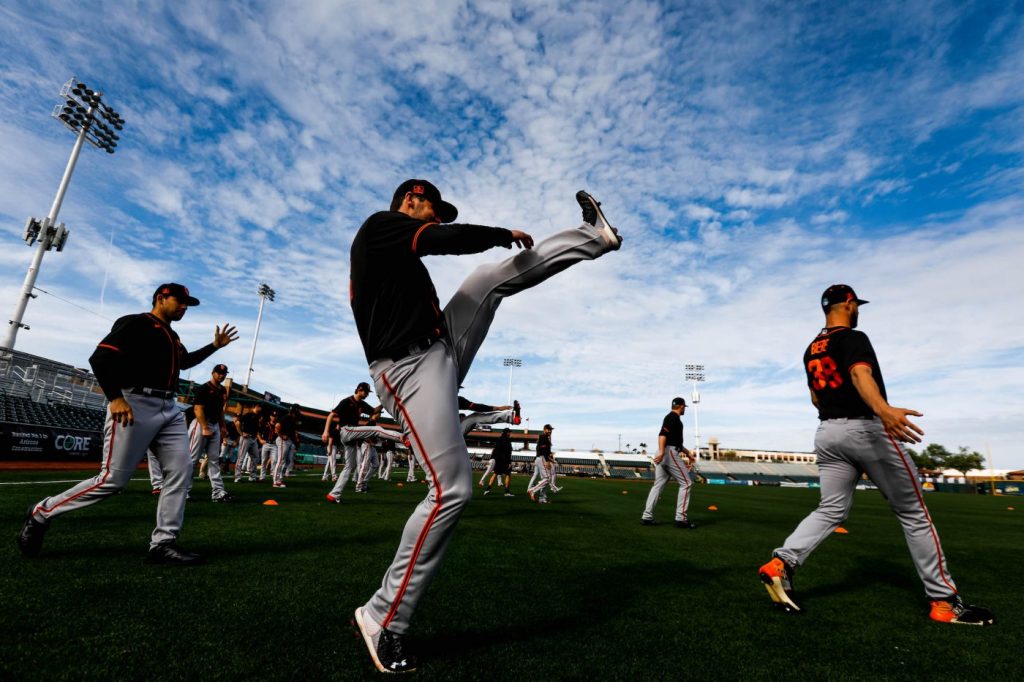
(777, 577)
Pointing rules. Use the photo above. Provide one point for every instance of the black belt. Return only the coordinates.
(859, 416)
(399, 352)
(153, 392)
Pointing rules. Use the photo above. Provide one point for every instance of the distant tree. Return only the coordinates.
(964, 460)
(931, 457)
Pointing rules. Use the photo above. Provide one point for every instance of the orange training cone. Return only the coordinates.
(271, 503)
(712, 508)
(841, 530)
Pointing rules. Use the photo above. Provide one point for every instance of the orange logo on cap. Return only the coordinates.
(418, 189)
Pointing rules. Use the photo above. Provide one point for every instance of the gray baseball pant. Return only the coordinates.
(543, 475)
(248, 453)
(350, 438)
(330, 466)
(282, 455)
(487, 472)
(210, 446)
(474, 419)
(845, 449)
(671, 466)
(536, 473)
(385, 472)
(156, 476)
(421, 392)
(268, 454)
(160, 426)
(410, 476)
(368, 459)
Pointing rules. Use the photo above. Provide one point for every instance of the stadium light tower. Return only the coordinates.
(695, 373)
(83, 113)
(511, 363)
(265, 293)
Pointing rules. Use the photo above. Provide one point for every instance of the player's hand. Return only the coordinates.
(521, 239)
(896, 424)
(222, 337)
(121, 412)
(660, 456)
(224, 435)
(207, 432)
(323, 438)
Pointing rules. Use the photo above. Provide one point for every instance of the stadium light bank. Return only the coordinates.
(265, 293)
(695, 373)
(84, 113)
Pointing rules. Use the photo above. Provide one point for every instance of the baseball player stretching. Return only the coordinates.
(487, 414)
(137, 367)
(208, 428)
(420, 355)
(369, 459)
(410, 474)
(672, 461)
(387, 455)
(331, 465)
(859, 433)
(248, 443)
(543, 464)
(270, 429)
(342, 426)
(287, 441)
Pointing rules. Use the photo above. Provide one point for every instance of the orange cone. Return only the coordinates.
(271, 503)
(1009, 508)
(841, 530)
(625, 492)
(400, 484)
(712, 508)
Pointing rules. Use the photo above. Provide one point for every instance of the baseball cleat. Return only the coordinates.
(278, 485)
(30, 538)
(155, 491)
(332, 499)
(385, 647)
(689, 525)
(509, 494)
(533, 498)
(592, 215)
(223, 498)
(953, 610)
(777, 577)
(516, 412)
(487, 492)
(170, 553)
(648, 522)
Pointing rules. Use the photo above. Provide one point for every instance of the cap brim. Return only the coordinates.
(861, 301)
(446, 212)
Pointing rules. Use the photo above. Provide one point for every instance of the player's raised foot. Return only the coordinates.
(169, 553)
(777, 577)
(688, 525)
(954, 610)
(386, 648)
(332, 499)
(593, 215)
(516, 413)
(30, 538)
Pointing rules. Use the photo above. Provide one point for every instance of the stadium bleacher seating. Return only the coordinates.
(17, 409)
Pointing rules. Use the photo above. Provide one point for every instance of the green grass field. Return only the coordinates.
(577, 589)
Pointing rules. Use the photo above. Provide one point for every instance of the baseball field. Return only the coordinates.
(576, 589)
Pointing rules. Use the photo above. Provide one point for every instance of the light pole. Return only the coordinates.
(695, 373)
(84, 113)
(511, 363)
(265, 292)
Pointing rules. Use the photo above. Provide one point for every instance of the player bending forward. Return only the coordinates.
(420, 355)
(858, 434)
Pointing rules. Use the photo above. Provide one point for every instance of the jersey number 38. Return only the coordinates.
(824, 373)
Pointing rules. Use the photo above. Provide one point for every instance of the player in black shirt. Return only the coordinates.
(419, 354)
(137, 366)
(502, 456)
(859, 434)
(248, 442)
(208, 428)
(672, 461)
(342, 428)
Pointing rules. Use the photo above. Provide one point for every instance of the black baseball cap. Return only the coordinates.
(677, 401)
(221, 369)
(839, 293)
(365, 386)
(549, 426)
(178, 291)
(446, 212)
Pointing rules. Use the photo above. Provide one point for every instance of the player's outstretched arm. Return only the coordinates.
(894, 419)
(522, 239)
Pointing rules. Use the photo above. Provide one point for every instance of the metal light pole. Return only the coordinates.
(511, 363)
(82, 112)
(265, 292)
(695, 373)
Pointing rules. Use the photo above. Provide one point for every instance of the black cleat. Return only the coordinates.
(689, 525)
(170, 553)
(648, 522)
(30, 538)
(954, 610)
(385, 648)
(592, 215)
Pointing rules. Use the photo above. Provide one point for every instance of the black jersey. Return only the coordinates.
(289, 428)
(349, 410)
(544, 446)
(248, 424)
(502, 455)
(828, 361)
(393, 298)
(142, 351)
(672, 429)
(211, 397)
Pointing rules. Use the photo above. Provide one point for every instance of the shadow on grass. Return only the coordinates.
(579, 610)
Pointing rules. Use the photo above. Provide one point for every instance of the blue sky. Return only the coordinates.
(751, 155)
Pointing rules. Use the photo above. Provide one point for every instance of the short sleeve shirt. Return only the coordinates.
(672, 429)
(211, 397)
(828, 360)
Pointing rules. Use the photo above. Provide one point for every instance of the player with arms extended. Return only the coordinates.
(858, 434)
